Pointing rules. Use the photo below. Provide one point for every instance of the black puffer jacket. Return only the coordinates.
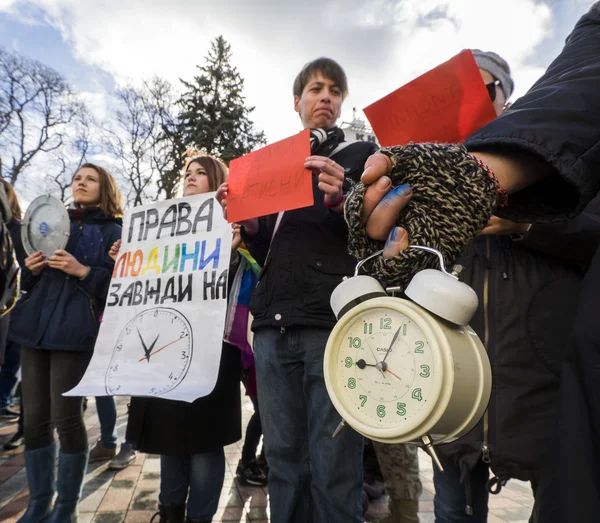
(308, 257)
(527, 303)
(559, 121)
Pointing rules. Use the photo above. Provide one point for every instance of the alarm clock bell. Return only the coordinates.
(437, 291)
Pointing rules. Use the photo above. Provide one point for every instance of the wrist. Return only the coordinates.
(83, 272)
(336, 204)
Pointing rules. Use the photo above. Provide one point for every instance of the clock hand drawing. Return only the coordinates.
(147, 351)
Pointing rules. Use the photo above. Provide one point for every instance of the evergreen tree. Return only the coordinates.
(213, 112)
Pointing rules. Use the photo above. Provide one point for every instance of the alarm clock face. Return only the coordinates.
(157, 342)
(384, 368)
(45, 226)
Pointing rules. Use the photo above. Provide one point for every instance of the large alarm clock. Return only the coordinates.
(45, 226)
(159, 339)
(407, 370)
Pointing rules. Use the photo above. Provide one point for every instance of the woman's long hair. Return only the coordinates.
(11, 195)
(110, 196)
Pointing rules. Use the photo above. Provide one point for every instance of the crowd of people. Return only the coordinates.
(534, 267)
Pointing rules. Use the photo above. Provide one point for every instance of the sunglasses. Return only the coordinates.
(491, 89)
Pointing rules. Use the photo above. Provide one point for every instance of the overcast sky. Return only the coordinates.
(382, 44)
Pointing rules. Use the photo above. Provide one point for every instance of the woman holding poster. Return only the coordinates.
(56, 326)
(190, 437)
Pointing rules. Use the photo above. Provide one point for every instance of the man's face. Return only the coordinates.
(500, 101)
(320, 104)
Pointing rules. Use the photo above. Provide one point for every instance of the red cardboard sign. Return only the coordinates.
(270, 180)
(446, 104)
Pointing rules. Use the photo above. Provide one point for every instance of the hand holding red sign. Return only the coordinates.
(446, 104)
(270, 180)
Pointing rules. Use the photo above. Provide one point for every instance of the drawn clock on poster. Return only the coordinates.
(156, 342)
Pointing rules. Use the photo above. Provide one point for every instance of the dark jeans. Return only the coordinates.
(106, 407)
(253, 434)
(46, 375)
(450, 498)
(450, 495)
(312, 477)
(201, 475)
(8, 373)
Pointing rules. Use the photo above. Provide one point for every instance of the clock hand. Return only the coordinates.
(361, 364)
(388, 370)
(146, 351)
(393, 341)
(163, 347)
(376, 362)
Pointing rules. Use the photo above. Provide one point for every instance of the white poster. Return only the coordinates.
(162, 330)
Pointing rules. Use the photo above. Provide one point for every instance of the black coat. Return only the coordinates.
(178, 428)
(308, 257)
(527, 301)
(60, 312)
(558, 120)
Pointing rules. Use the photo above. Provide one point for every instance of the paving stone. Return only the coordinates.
(145, 500)
(90, 500)
(109, 517)
(116, 500)
(123, 483)
(139, 516)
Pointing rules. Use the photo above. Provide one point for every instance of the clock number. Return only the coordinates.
(115, 368)
(128, 331)
(184, 355)
(385, 323)
(368, 328)
(419, 347)
(381, 411)
(401, 409)
(404, 330)
(348, 361)
(425, 373)
(183, 334)
(351, 383)
(155, 314)
(119, 347)
(354, 342)
(417, 395)
(152, 391)
(364, 400)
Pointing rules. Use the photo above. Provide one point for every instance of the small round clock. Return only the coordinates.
(45, 226)
(157, 341)
(402, 370)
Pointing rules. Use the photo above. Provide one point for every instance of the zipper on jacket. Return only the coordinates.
(485, 450)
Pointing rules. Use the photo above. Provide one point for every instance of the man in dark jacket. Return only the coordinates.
(545, 154)
(312, 477)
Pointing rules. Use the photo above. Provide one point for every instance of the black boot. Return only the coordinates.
(170, 514)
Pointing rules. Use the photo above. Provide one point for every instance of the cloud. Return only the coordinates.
(381, 43)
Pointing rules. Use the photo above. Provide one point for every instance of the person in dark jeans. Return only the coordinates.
(312, 477)
(56, 324)
(250, 470)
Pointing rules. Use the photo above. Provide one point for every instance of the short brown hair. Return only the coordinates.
(11, 195)
(110, 196)
(216, 170)
(329, 68)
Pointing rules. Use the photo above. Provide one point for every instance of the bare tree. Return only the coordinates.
(71, 156)
(36, 108)
(137, 138)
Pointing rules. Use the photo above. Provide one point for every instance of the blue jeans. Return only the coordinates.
(8, 373)
(312, 477)
(200, 474)
(106, 407)
(450, 498)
